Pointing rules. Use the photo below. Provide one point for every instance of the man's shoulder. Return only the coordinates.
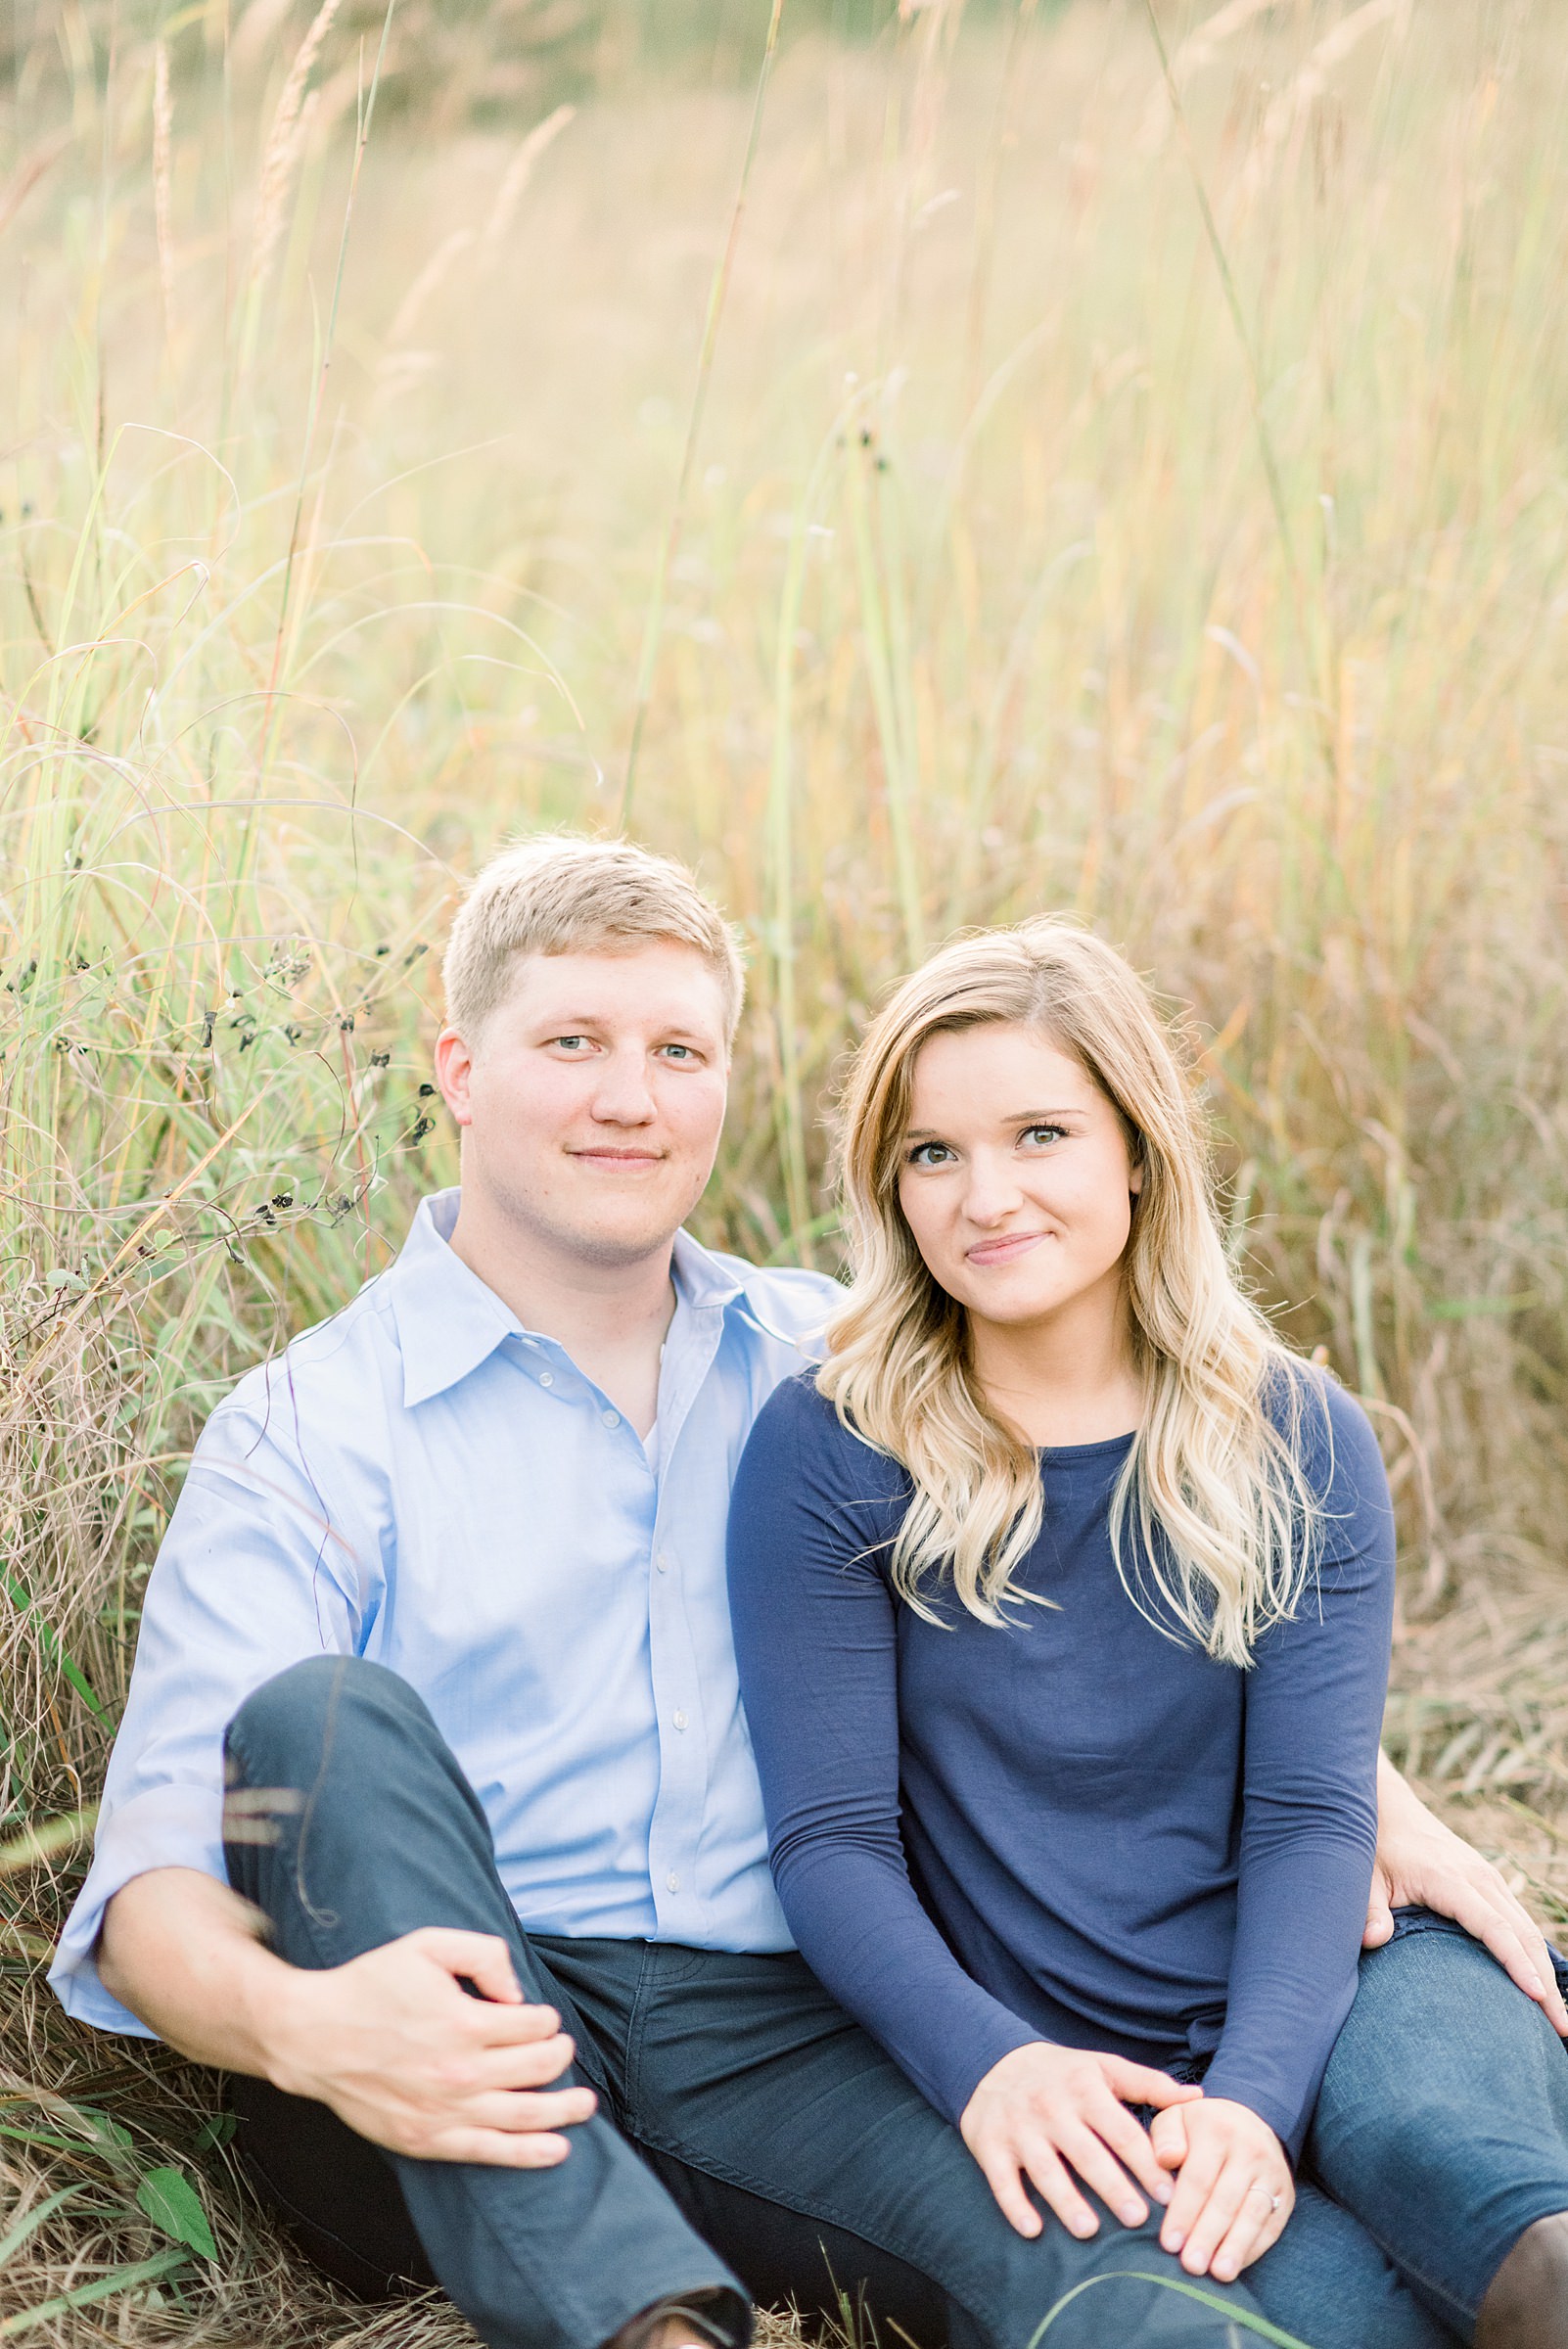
(337, 1365)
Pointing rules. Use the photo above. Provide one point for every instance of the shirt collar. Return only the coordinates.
(449, 1321)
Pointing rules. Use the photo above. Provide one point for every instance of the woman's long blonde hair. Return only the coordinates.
(1213, 1488)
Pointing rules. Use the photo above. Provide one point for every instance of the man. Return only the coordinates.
(489, 1892)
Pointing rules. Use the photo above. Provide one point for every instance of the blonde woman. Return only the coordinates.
(1062, 1595)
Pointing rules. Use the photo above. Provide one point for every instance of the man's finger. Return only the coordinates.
(522, 2112)
(486, 2023)
(1136, 2084)
(499, 2151)
(484, 1958)
(536, 2063)
(1380, 1926)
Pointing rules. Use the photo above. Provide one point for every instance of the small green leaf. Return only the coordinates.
(216, 2131)
(172, 2203)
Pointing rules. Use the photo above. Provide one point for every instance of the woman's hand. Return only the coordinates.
(1422, 1864)
(1044, 2112)
(1234, 2191)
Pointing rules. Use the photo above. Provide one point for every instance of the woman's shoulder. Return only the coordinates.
(1331, 1436)
(799, 1432)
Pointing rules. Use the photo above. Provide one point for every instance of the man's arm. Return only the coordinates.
(1421, 1863)
(391, 2041)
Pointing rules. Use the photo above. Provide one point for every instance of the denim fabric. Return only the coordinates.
(736, 2066)
(1443, 2119)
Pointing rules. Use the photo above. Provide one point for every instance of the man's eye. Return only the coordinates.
(569, 1044)
(678, 1052)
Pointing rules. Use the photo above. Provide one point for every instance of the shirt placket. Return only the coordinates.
(675, 1829)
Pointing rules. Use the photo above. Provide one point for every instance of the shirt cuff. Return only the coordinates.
(166, 1826)
(968, 2054)
(1287, 2120)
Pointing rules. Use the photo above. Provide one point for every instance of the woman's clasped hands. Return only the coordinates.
(1054, 2118)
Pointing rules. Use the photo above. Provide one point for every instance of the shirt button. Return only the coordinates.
(680, 1720)
(671, 1882)
(611, 1418)
(661, 1562)
(546, 1378)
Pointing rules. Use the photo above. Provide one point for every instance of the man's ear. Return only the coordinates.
(454, 1069)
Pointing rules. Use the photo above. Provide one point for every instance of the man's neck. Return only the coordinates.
(612, 1319)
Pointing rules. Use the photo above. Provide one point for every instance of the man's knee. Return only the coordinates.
(291, 1721)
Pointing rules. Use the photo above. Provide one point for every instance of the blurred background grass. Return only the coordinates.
(1099, 489)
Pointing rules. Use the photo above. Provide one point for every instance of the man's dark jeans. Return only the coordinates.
(751, 2139)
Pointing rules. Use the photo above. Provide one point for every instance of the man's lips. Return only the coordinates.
(1006, 1250)
(625, 1161)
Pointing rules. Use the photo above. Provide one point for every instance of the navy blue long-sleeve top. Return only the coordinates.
(1074, 1827)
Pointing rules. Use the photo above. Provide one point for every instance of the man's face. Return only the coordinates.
(592, 1098)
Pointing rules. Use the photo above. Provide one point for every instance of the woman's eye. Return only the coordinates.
(1042, 1133)
(929, 1154)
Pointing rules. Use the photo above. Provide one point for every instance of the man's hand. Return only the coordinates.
(1044, 2112)
(402, 2054)
(1422, 1864)
(1234, 2191)
(391, 2041)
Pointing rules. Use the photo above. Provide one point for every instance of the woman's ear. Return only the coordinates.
(1135, 1181)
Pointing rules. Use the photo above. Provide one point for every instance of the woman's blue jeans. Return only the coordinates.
(1441, 2135)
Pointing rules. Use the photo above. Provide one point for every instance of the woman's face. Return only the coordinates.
(1016, 1180)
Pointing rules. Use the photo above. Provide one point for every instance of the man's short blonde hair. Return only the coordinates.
(562, 894)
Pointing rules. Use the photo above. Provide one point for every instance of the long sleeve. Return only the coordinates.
(257, 1570)
(1314, 1700)
(815, 1640)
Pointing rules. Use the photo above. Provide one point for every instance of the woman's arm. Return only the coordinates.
(1315, 1699)
(816, 1634)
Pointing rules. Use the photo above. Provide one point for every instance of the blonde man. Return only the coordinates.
(486, 1929)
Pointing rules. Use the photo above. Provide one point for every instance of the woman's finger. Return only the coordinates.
(1256, 2223)
(1091, 2160)
(1052, 2182)
(1000, 2165)
(1195, 2179)
(1136, 2084)
(1129, 2141)
(1238, 2183)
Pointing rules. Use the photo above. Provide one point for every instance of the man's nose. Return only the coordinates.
(622, 1095)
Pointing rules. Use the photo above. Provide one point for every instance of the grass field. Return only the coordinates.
(969, 468)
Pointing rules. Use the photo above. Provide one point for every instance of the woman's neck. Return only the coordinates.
(1069, 1380)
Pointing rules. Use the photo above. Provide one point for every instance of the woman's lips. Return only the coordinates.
(1004, 1251)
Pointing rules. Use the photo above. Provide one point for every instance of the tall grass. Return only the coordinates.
(1036, 547)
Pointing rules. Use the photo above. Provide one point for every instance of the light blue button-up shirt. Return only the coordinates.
(422, 1481)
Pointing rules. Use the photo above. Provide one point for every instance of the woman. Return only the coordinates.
(1062, 1595)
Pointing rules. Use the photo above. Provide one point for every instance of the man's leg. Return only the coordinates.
(742, 2068)
(389, 1837)
(1442, 2124)
(1326, 2282)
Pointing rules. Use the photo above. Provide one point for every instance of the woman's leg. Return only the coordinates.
(1443, 2125)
